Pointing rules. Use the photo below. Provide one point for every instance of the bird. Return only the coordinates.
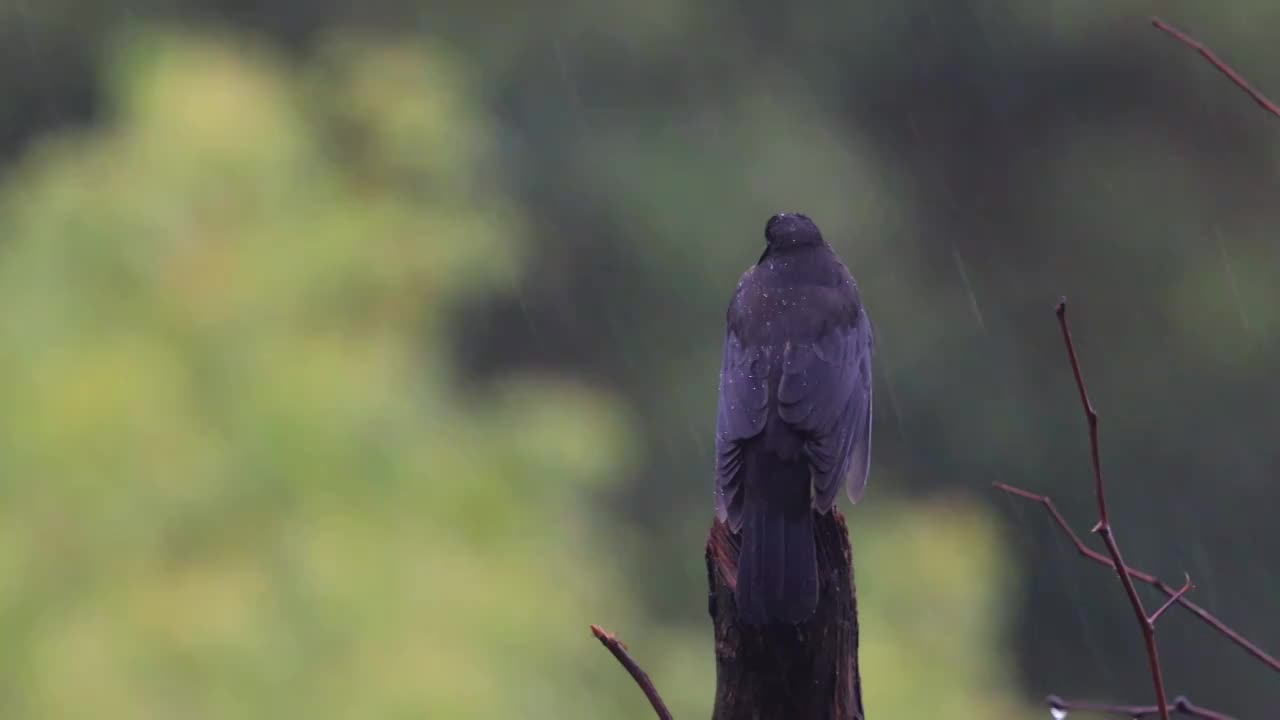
(793, 418)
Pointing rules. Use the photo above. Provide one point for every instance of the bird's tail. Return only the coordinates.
(777, 564)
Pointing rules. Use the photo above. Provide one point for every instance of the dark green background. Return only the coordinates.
(575, 197)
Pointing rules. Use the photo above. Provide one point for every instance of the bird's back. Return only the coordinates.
(795, 297)
(791, 299)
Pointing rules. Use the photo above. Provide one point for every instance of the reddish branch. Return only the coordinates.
(1186, 587)
(619, 650)
(1103, 528)
(1115, 561)
(1181, 706)
(1222, 67)
(1171, 592)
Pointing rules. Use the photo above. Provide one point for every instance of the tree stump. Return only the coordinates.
(807, 671)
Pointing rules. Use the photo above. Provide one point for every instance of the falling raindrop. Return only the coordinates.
(1231, 277)
(973, 298)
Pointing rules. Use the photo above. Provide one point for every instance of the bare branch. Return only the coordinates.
(1222, 67)
(1181, 706)
(619, 650)
(1104, 524)
(1169, 591)
(1167, 603)
(1090, 414)
(1114, 560)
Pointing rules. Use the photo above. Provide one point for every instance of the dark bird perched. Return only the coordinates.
(794, 416)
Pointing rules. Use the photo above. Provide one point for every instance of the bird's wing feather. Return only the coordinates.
(825, 393)
(743, 408)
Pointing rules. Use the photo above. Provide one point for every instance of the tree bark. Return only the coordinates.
(797, 672)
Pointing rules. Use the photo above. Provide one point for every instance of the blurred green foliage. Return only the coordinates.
(243, 476)
(525, 220)
(933, 642)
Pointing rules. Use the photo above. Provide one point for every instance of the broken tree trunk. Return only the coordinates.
(799, 672)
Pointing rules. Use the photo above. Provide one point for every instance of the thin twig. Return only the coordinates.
(1104, 525)
(1090, 414)
(1181, 706)
(619, 650)
(1222, 67)
(1169, 591)
(1271, 107)
(1181, 591)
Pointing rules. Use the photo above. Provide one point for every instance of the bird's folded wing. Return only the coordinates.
(743, 408)
(825, 392)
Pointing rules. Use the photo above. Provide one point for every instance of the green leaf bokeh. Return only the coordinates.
(243, 476)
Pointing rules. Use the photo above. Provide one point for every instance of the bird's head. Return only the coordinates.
(786, 230)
